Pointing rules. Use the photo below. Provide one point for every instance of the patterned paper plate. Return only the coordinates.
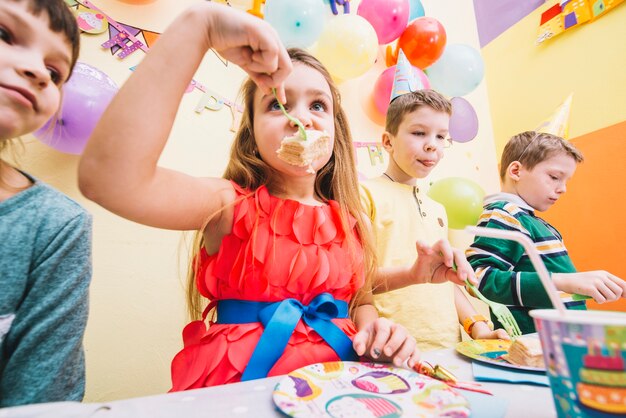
(491, 351)
(351, 389)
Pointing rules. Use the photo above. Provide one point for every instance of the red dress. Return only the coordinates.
(277, 249)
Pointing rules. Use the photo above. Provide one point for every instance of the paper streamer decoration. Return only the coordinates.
(376, 154)
(214, 101)
(344, 3)
(90, 21)
(374, 150)
(256, 8)
(566, 14)
(124, 37)
(558, 122)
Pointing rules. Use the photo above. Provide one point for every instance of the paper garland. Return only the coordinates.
(123, 41)
(374, 149)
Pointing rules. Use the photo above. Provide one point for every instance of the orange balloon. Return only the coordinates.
(423, 41)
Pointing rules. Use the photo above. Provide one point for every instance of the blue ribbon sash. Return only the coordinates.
(279, 320)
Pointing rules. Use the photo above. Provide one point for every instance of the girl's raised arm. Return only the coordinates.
(119, 170)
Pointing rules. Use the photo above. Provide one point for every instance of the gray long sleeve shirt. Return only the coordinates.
(45, 270)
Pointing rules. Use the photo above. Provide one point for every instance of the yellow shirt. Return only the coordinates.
(400, 215)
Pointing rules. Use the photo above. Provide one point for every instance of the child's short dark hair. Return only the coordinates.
(530, 148)
(410, 102)
(61, 19)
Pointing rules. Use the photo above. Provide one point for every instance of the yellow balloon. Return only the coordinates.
(347, 46)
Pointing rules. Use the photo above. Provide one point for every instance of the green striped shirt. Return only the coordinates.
(505, 272)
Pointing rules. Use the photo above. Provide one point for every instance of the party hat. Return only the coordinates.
(558, 122)
(405, 80)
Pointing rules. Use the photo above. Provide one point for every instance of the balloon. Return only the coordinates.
(85, 96)
(462, 198)
(459, 70)
(464, 121)
(348, 46)
(416, 9)
(423, 41)
(388, 17)
(298, 23)
(384, 84)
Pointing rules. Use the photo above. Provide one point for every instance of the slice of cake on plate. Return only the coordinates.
(526, 351)
(301, 152)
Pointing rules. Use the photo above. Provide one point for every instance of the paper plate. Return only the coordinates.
(351, 389)
(491, 351)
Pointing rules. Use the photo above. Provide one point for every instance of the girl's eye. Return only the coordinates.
(275, 106)
(554, 178)
(318, 107)
(5, 35)
(441, 137)
(418, 133)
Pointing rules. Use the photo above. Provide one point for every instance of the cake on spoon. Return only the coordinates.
(301, 152)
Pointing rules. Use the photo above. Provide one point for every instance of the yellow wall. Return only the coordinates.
(527, 82)
(137, 296)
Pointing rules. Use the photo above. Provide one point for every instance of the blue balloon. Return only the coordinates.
(416, 9)
(298, 23)
(458, 71)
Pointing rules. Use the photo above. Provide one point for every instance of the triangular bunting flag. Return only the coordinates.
(150, 37)
(113, 32)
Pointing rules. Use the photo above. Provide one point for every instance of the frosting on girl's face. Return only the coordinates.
(309, 99)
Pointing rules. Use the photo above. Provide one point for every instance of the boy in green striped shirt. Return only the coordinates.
(534, 170)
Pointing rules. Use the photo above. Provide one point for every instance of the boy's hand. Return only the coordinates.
(250, 43)
(384, 340)
(441, 263)
(601, 285)
(481, 331)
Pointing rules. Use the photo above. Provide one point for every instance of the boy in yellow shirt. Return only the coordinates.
(404, 217)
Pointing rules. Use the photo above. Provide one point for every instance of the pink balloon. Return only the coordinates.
(85, 96)
(388, 17)
(384, 84)
(464, 121)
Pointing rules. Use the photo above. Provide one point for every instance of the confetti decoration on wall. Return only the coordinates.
(567, 14)
(125, 39)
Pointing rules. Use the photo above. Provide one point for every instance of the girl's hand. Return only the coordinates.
(250, 43)
(384, 340)
(481, 331)
(441, 263)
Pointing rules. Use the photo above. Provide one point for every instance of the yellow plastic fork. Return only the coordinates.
(291, 118)
(500, 311)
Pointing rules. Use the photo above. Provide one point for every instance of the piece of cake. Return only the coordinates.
(526, 351)
(301, 152)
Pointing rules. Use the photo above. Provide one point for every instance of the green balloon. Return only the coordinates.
(462, 198)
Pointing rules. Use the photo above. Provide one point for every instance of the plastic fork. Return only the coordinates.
(500, 311)
(291, 118)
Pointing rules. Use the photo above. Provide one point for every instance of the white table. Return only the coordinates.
(253, 399)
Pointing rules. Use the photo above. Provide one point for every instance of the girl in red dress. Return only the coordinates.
(284, 254)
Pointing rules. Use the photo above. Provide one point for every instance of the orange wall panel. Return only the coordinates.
(591, 216)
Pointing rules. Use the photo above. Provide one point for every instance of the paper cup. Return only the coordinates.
(585, 356)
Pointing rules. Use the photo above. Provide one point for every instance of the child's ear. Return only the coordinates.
(388, 142)
(513, 170)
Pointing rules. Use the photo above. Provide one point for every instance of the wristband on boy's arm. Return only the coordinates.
(469, 322)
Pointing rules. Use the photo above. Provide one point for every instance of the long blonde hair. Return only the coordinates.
(337, 180)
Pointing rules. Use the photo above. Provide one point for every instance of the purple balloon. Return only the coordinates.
(85, 96)
(464, 121)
